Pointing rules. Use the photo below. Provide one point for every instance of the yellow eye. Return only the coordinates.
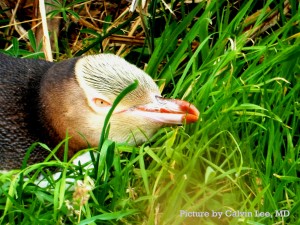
(100, 102)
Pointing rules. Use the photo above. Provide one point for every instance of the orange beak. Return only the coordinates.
(169, 111)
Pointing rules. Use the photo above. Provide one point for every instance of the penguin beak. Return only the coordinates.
(169, 111)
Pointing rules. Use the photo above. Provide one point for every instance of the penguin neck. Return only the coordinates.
(62, 102)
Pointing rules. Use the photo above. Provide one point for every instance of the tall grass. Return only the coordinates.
(241, 69)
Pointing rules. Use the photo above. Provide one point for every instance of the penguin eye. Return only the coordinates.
(101, 103)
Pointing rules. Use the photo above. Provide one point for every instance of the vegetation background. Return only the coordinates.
(237, 61)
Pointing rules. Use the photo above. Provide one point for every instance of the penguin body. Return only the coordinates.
(20, 124)
(41, 101)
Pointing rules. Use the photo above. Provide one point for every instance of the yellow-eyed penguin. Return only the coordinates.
(40, 101)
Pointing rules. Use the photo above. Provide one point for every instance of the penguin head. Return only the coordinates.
(87, 87)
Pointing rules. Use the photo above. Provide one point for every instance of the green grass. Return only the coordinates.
(242, 155)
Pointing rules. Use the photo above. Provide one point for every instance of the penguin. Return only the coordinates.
(41, 101)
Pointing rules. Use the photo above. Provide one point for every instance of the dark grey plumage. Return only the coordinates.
(20, 123)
